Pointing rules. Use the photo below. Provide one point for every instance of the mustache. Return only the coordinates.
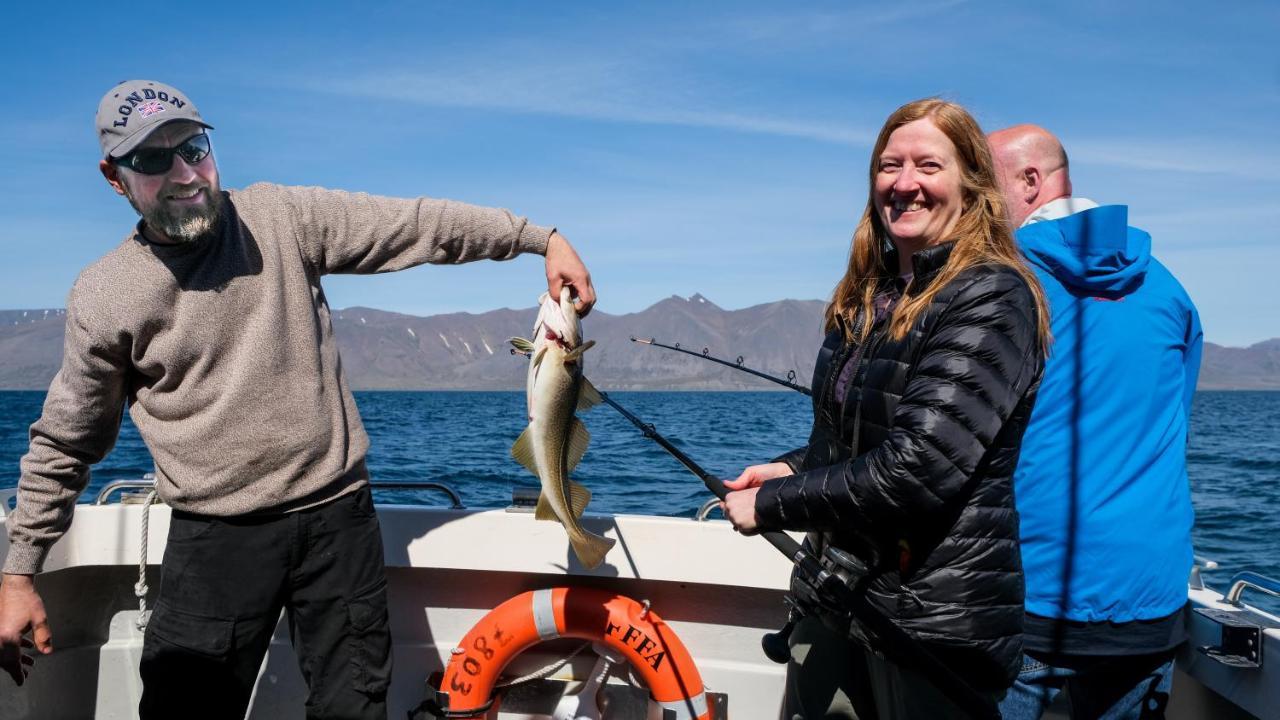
(183, 189)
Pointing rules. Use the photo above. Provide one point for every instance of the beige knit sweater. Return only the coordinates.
(223, 351)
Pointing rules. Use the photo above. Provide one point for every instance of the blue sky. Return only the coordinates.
(718, 148)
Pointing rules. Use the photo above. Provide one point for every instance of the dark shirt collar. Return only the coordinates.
(226, 216)
(929, 261)
(925, 264)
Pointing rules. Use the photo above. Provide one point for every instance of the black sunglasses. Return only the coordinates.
(157, 161)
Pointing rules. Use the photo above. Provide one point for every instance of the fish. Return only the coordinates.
(555, 440)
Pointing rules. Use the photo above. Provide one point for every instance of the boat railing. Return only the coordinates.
(1200, 564)
(148, 483)
(454, 498)
(1250, 580)
(705, 510)
(1239, 639)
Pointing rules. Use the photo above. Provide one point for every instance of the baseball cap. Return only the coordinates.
(132, 110)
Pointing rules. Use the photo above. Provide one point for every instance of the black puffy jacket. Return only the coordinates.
(913, 471)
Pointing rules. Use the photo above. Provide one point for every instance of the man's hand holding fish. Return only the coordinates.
(565, 268)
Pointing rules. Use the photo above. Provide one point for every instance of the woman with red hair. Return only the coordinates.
(936, 337)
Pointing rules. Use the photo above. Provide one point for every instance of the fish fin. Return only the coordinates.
(591, 549)
(579, 439)
(544, 511)
(579, 497)
(521, 344)
(588, 396)
(537, 359)
(522, 451)
(576, 353)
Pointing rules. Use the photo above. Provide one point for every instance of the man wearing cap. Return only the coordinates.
(210, 325)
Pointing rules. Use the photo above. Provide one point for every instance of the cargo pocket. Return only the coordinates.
(204, 636)
(370, 642)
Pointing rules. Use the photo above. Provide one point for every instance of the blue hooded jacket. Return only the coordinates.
(1101, 484)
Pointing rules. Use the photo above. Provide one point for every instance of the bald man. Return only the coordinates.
(1101, 484)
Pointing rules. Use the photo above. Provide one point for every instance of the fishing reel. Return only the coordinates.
(812, 593)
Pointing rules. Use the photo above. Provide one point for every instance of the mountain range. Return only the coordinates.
(463, 351)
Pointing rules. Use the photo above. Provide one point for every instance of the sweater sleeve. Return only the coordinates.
(77, 428)
(342, 232)
(981, 359)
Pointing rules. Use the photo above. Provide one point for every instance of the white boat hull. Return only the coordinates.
(446, 568)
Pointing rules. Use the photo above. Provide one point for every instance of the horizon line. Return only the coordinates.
(602, 312)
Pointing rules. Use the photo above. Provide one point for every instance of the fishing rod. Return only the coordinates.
(833, 586)
(736, 365)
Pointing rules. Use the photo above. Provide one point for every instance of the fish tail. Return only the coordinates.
(591, 548)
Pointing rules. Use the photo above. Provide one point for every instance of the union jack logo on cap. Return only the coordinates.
(148, 109)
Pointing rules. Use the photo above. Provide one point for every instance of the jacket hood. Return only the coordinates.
(1093, 250)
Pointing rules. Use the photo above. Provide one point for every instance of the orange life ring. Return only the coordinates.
(648, 644)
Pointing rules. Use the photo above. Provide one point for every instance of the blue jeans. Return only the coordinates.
(1101, 687)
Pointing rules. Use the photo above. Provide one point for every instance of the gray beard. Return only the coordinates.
(184, 225)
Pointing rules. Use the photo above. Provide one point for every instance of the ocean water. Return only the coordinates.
(463, 439)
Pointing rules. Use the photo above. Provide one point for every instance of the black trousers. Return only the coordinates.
(223, 584)
(833, 677)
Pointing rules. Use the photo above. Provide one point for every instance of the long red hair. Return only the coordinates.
(982, 234)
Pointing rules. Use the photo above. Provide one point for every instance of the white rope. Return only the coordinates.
(544, 672)
(140, 589)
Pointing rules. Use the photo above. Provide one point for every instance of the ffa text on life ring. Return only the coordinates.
(648, 644)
